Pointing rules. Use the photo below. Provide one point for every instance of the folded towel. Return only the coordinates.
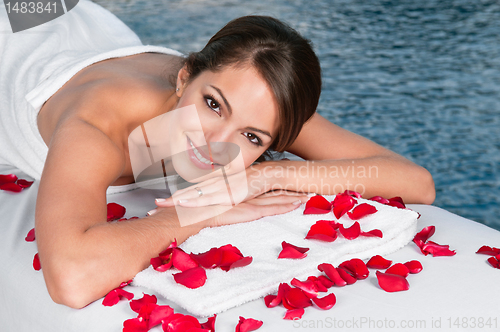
(262, 239)
(35, 63)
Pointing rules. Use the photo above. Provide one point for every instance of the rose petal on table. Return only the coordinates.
(486, 250)
(209, 324)
(115, 211)
(136, 305)
(322, 230)
(115, 295)
(36, 263)
(437, 249)
(248, 324)
(319, 285)
(317, 205)
(494, 262)
(332, 273)
(344, 274)
(7, 178)
(361, 210)
(159, 314)
(30, 237)
(325, 281)
(181, 323)
(309, 287)
(392, 282)
(138, 324)
(378, 262)
(356, 267)
(326, 302)
(414, 266)
(24, 183)
(352, 232)
(297, 298)
(424, 235)
(294, 314)
(399, 269)
(12, 187)
(192, 278)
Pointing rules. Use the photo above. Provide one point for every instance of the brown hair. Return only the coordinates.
(281, 55)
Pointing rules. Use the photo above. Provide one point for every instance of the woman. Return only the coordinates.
(256, 84)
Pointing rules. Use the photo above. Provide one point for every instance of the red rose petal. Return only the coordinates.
(180, 323)
(392, 282)
(356, 267)
(270, 300)
(209, 259)
(319, 285)
(352, 193)
(244, 261)
(248, 324)
(125, 283)
(361, 211)
(344, 274)
(274, 300)
(136, 305)
(437, 249)
(317, 205)
(494, 262)
(7, 178)
(192, 278)
(379, 199)
(209, 324)
(325, 281)
(31, 236)
(36, 263)
(182, 261)
(397, 202)
(424, 234)
(322, 230)
(115, 295)
(24, 184)
(115, 211)
(159, 314)
(342, 203)
(352, 232)
(326, 302)
(289, 252)
(309, 287)
(12, 187)
(296, 298)
(161, 264)
(299, 249)
(378, 262)
(373, 233)
(399, 269)
(414, 266)
(486, 250)
(138, 324)
(332, 273)
(294, 314)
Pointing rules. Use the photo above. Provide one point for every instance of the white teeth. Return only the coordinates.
(199, 156)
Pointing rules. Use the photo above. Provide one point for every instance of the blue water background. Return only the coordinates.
(421, 78)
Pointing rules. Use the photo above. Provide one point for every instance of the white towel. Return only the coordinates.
(262, 239)
(36, 62)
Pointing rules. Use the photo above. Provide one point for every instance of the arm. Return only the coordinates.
(82, 256)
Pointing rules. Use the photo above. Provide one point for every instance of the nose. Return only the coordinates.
(222, 143)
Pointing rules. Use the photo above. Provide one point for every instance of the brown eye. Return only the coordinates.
(254, 139)
(213, 104)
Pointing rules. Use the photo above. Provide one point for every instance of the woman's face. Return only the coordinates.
(236, 108)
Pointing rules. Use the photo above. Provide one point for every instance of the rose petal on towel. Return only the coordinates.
(115, 295)
(325, 302)
(422, 236)
(399, 269)
(344, 274)
(317, 205)
(299, 249)
(352, 232)
(181, 260)
(437, 249)
(7, 178)
(30, 237)
(115, 211)
(294, 314)
(322, 230)
(24, 183)
(192, 278)
(209, 259)
(352, 193)
(12, 187)
(361, 211)
(244, 261)
(397, 202)
(209, 324)
(36, 263)
(378, 262)
(356, 267)
(372, 233)
(125, 283)
(290, 252)
(164, 260)
(392, 282)
(414, 266)
(308, 287)
(379, 199)
(342, 203)
(181, 323)
(159, 314)
(138, 324)
(493, 260)
(486, 250)
(296, 298)
(136, 305)
(332, 273)
(248, 324)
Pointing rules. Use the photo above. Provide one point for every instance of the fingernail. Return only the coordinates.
(182, 201)
(160, 200)
(150, 213)
(297, 202)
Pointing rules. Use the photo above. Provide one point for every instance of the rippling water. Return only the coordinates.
(419, 77)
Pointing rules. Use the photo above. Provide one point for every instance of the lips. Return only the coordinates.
(199, 157)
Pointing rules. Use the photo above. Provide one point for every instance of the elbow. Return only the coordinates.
(427, 190)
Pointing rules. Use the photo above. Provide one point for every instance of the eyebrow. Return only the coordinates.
(231, 112)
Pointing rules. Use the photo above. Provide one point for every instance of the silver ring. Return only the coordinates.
(200, 193)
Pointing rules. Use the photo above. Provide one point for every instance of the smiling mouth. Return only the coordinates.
(200, 156)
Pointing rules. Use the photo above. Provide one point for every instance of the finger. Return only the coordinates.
(282, 199)
(274, 209)
(285, 192)
(221, 198)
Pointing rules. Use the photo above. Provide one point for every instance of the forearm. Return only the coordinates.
(385, 176)
(87, 265)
